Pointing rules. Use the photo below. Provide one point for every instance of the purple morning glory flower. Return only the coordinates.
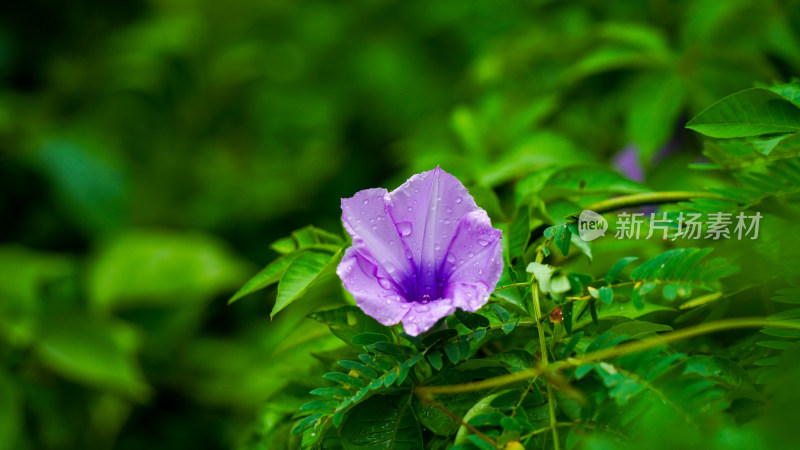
(419, 252)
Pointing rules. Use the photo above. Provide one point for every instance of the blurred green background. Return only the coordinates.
(150, 152)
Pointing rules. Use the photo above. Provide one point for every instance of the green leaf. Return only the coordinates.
(435, 359)
(348, 321)
(369, 338)
(499, 312)
(657, 100)
(471, 320)
(562, 237)
(606, 295)
(438, 336)
(433, 418)
(10, 410)
(301, 274)
(617, 269)
(267, 276)
(146, 268)
(381, 422)
(636, 329)
(566, 311)
(94, 353)
(751, 112)
(627, 310)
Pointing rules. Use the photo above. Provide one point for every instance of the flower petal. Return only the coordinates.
(421, 317)
(368, 222)
(371, 287)
(473, 263)
(427, 210)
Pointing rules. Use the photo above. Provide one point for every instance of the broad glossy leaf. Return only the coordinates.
(751, 112)
(379, 423)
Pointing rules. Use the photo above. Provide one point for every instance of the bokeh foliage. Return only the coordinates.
(152, 151)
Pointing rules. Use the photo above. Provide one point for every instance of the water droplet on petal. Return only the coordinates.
(404, 228)
(458, 199)
(409, 255)
(410, 209)
(422, 308)
(366, 201)
(483, 242)
(450, 257)
(385, 283)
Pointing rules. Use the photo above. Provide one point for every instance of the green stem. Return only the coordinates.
(537, 309)
(610, 353)
(509, 286)
(648, 198)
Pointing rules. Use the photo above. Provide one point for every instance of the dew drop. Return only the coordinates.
(483, 242)
(366, 201)
(385, 283)
(458, 200)
(450, 257)
(404, 228)
(422, 308)
(410, 209)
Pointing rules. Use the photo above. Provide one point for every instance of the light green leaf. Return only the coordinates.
(268, 275)
(656, 101)
(751, 112)
(98, 354)
(302, 273)
(145, 268)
